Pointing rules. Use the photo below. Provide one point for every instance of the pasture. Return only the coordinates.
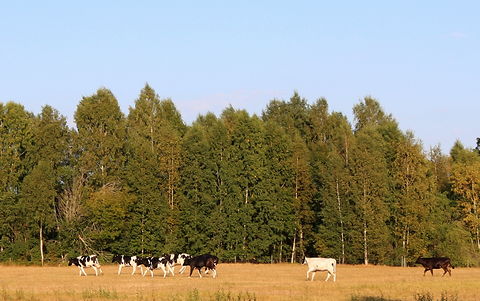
(237, 282)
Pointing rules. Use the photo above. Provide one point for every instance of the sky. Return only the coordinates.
(419, 59)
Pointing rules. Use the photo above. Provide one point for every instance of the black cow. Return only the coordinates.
(85, 262)
(125, 260)
(436, 263)
(198, 262)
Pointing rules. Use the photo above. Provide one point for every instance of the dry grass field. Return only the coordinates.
(239, 282)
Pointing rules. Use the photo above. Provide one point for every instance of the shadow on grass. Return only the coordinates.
(424, 296)
(371, 298)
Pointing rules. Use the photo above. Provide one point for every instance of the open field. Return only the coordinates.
(237, 281)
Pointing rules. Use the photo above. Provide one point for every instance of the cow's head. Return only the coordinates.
(419, 260)
(72, 261)
(169, 257)
(116, 258)
(144, 261)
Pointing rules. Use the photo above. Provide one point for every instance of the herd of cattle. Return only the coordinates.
(168, 262)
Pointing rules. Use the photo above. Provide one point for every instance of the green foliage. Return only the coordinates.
(100, 142)
(152, 174)
(298, 181)
(106, 211)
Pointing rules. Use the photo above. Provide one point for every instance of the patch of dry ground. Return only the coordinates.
(264, 281)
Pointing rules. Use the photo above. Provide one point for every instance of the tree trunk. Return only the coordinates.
(365, 245)
(403, 249)
(478, 238)
(365, 241)
(41, 242)
(293, 246)
(280, 253)
(302, 247)
(342, 234)
(475, 212)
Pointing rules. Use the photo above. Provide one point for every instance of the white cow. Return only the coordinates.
(316, 264)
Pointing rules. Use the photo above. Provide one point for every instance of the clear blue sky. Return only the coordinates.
(419, 59)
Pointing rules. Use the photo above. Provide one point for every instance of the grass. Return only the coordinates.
(239, 282)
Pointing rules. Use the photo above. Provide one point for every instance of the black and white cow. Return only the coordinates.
(198, 262)
(125, 260)
(157, 263)
(145, 261)
(86, 262)
(177, 259)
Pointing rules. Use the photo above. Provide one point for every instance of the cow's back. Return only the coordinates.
(321, 264)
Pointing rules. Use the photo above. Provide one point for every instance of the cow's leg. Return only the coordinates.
(164, 271)
(95, 269)
(182, 269)
(120, 268)
(99, 267)
(334, 276)
(214, 273)
(141, 270)
(170, 268)
(134, 268)
(445, 270)
(313, 275)
(431, 271)
(199, 272)
(307, 274)
(328, 275)
(82, 271)
(191, 271)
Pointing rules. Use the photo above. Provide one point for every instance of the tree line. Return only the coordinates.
(296, 181)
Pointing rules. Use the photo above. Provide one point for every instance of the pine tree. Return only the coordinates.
(243, 172)
(16, 138)
(369, 191)
(152, 170)
(100, 139)
(100, 153)
(51, 152)
(38, 200)
(413, 198)
(330, 146)
(465, 180)
(440, 165)
(274, 217)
